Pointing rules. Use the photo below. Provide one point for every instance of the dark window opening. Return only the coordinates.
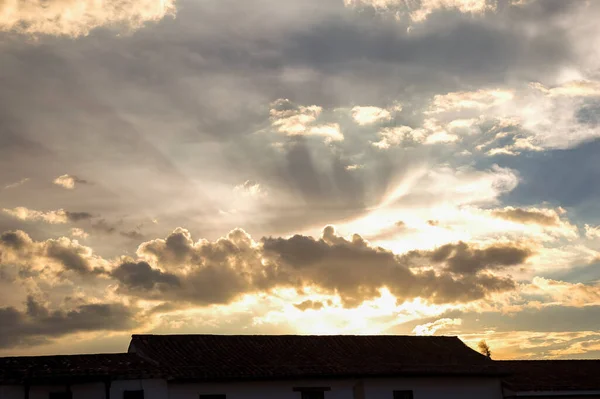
(313, 395)
(60, 395)
(218, 396)
(403, 394)
(138, 394)
(312, 392)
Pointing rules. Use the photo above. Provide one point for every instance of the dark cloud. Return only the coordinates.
(142, 276)
(16, 247)
(176, 248)
(102, 226)
(72, 257)
(218, 272)
(355, 270)
(78, 216)
(206, 272)
(463, 259)
(309, 305)
(132, 234)
(38, 324)
(15, 240)
(527, 216)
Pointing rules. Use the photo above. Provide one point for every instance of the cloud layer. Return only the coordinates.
(452, 144)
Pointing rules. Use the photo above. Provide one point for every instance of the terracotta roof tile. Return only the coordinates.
(75, 367)
(215, 357)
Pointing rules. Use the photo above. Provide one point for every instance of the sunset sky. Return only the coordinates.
(300, 167)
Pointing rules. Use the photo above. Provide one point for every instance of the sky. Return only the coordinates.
(406, 167)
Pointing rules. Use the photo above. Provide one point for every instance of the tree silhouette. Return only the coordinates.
(484, 348)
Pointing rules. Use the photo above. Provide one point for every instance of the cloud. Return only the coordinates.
(132, 234)
(370, 114)
(530, 118)
(68, 253)
(59, 216)
(560, 292)
(395, 136)
(78, 216)
(141, 276)
(37, 323)
(79, 233)
(464, 259)
(576, 348)
(308, 304)
(251, 189)
(53, 255)
(298, 120)
(78, 17)
(354, 167)
(592, 232)
(104, 227)
(68, 181)
(475, 100)
(16, 184)
(431, 132)
(356, 271)
(17, 242)
(433, 327)
(220, 271)
(544, 217)
(574, 88)
(419, 10)
(22, 213)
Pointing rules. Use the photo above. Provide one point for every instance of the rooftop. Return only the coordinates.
(552, 375)
(38, 369)
(222, 357)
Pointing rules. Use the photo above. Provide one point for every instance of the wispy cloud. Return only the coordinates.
(59, 216)
(16, 184)
(22, 213)
(433, 327)
(251, 189)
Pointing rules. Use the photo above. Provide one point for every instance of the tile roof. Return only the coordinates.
(552, 375)
(235, 357)
(38, 369)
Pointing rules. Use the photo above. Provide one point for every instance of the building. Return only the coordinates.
(549, 379)
(265, 367)
(104, 376)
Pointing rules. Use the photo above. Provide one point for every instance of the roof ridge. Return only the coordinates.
(299, 335)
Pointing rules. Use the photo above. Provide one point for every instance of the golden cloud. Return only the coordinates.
(297, 120)
(75, 18)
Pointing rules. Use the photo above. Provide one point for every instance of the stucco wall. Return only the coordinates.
(423, 388)
(153, 389)
(427, 388)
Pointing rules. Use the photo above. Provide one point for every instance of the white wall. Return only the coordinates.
(423, 388)
(429, 388)
(153, 389)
